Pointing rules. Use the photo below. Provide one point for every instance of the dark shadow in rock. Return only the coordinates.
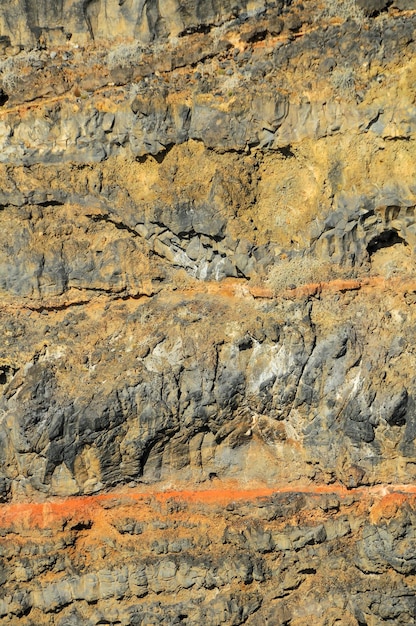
(6, 374)
(286, 151)
(3, 97)
(385, 239)
(159, 156)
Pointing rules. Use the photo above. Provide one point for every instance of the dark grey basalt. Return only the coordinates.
(184, 401)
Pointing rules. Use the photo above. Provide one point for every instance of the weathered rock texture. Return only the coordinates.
(207, 257)
(216, 557)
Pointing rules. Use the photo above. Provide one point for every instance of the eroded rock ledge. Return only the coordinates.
(218, 556)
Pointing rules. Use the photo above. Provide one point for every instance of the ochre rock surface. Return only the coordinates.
(219, 555)
(207, 278)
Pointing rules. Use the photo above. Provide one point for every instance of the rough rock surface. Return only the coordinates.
(207, 257)
(211, 557)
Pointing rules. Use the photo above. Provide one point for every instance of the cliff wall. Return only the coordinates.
(207, 257)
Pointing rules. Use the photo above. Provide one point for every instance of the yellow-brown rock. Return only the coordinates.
(207, 278)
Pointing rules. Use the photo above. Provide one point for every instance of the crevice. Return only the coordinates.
(399, 138)
(120, 225)
(373, 121)
(257, 34)
(308, 570)
(154, 253)
(88, 7)
(240, 274)
(82, 526)
(159, 157)
(216, 364)
(286, 151)
(162, 226)
(202, 59)
(386, 239)
(57, 307)
(3, 97)
(134, 296)
(305, 364)
(49, 203)
(6, 373)
(112, 297)
(186, 234)
(99, 290)
(199, 28)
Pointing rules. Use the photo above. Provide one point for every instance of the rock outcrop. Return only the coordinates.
(212, 557)
(207, 256)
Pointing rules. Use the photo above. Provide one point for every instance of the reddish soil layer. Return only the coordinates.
(44, 514)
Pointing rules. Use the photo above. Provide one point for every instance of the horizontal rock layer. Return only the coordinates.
(221, 556)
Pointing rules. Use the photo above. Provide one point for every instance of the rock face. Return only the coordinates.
(207, 257)
(287, 558)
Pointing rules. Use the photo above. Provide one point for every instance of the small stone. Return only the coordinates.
(293, 23)
(275, 26)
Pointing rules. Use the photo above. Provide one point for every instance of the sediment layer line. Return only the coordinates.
(42, 514)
